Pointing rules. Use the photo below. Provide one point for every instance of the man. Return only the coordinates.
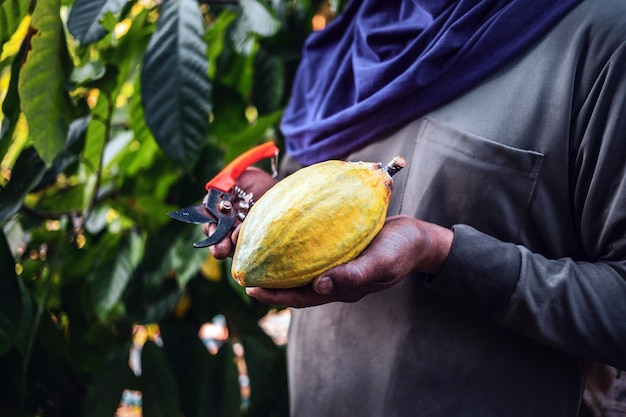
(500, 273)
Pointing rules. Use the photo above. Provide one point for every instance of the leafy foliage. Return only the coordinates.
(174, 82)
(114, 113)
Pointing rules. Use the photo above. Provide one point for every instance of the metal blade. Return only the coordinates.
(223, 227)
(194, 214)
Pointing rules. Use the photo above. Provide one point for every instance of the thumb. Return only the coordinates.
(323, 285)
(341, 278)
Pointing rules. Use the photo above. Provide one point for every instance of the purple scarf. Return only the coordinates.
(381, 64)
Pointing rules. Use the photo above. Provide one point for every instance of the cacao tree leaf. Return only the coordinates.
(11, 14)
(268, 89)
(259, 18)
(256, 20)
(28, 170)
(113, 271)
(336, 6)
(215, 38)
(84, 19)
(45, 103)
(137, 118)
(187, 359)
(245, 139)
(60, 200)
(224, 391)
(236, 71)
(91, 71)
(104, 395)
(63, 200)
(15, 302)
(231, 128)
(229, 114)
(175, 87)
(97, 134)
(71, 151)
(268, 374)
(208, 384)
(97, 130)
(180, 256)
(147, 153)
(158, 387)
(10, 301)
(129, 50)
(11, 103)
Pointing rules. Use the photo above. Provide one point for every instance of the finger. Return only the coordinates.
(323, 285)
(352, 280)
(235, 235)
(223, 248)
(296, 297)
(256, 179)
(343, 278)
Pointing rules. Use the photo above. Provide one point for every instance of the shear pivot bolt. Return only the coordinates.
(225, 206)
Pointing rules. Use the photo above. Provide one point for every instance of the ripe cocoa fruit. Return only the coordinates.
(317, 218)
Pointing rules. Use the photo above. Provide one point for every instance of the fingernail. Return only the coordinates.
(325, 285)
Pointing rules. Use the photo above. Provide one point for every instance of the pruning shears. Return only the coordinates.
(221, 189)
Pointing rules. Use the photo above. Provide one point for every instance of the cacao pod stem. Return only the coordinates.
(396, 164)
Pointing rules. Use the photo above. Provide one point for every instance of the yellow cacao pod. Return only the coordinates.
(317, 218)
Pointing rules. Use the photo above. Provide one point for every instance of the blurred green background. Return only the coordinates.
(113, 113)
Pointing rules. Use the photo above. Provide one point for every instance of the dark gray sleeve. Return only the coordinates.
(577, 307)
(574, 305)
(474, 276)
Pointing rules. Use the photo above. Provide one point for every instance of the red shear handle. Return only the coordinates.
(227, 177)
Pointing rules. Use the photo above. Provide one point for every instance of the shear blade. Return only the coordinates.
(223, 227)
(195, 214)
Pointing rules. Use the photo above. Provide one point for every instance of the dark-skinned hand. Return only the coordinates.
(404, 245)
(252, 180)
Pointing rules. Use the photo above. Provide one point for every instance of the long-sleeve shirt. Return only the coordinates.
(529, 169)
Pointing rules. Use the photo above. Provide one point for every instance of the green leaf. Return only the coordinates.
(243, 140)
(28, 170)
(84, 20)
(255, 20)
(229, 114)
(11, 14)
(147, 212)
(268, 89)
(158, 387)
(236, 71)
(113, 271)
(91, 71)
(224, 391)
(208, 384)
(138, 119)
(62, 200)
(45, 103)
(15, 302)
(336, 6)
(175, 86)
(11, 103)
(259, 18)
(268, 374)
(98, 133)
(10, 305)
(104, 396)
(215, 38)
(73, 146)
(181, 256)
(128, 53)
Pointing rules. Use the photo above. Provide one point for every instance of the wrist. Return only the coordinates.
(437, 247)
